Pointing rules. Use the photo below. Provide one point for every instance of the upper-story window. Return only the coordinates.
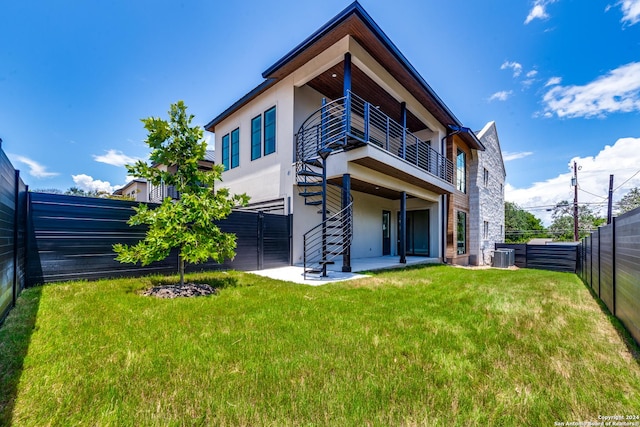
(270, 131)
(256, 137)
(235, 148)
(268, 134)
(461, 171)
(225, 152)
(486, 177)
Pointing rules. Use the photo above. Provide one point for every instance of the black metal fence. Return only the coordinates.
(13, 214)
(72, 237)
(545, 257)
(611, 267)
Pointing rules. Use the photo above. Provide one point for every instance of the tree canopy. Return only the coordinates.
(562, 226)
(520, 225)
(186, 224)
(629, 201)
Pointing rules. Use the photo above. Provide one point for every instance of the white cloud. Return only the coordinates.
(617, 91)
(87, 183)
(532, 73)
(36, 170)
(503, 95)
(553, 81)
(630, 11)
(515, 66)
(539, 10)
(115, 158)
(508, 156)
(622, 159)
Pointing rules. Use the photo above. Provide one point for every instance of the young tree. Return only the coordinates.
(187, 223)
(629, 201)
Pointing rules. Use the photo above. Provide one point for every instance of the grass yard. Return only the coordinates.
(425, 346)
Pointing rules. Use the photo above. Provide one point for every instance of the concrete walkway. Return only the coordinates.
(295, 273)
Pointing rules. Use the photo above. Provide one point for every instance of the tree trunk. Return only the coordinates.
(181, 269)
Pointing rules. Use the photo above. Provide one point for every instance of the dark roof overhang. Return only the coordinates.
(357, 23)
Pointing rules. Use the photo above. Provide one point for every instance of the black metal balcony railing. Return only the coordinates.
(352, 117)
(157, 193)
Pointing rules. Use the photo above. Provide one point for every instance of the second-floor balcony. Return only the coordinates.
(350, 122)
(157, 193)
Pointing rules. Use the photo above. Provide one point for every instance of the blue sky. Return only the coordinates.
(561, 78)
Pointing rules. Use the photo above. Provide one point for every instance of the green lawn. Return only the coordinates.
(426, 346)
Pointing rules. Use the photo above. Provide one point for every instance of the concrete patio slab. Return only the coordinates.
(295, 273)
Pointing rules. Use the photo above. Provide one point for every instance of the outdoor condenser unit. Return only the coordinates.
(500, 259)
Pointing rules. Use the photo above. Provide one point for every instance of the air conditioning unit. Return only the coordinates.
(500, 259)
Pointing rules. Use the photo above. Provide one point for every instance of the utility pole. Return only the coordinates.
(574, 182)
(609, 207)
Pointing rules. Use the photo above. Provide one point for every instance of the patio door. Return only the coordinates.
(386, 233)
(417, 228)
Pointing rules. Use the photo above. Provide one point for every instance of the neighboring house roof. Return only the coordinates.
(355, 21)
(119, 191)
(210, 156)
(483, 135)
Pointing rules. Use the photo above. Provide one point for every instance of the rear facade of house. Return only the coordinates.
(348, 138)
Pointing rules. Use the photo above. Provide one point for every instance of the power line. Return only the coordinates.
(626, 181)
(589, 192)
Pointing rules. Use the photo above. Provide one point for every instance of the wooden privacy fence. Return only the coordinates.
(611, 267)
(556, 257)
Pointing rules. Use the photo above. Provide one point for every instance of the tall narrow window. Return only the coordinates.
(462, 233)
(225, 151)
(270, 131)
(461, 171)
(485, 232)
(486, 177)
(235, 148)
(256, 137)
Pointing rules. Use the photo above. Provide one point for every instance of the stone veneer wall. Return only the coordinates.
(486, 201)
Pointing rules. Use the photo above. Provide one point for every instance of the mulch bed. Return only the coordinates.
(176, 291)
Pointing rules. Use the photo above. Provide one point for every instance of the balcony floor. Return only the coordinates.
(295, 273)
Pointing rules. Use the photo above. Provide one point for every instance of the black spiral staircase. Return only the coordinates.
(340, 125)
(323, 133)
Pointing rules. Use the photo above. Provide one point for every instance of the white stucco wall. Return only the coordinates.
(367, 228)
(268, 177)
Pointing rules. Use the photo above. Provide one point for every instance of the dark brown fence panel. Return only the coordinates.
(627, 270)
(21, 237)
(7, 220)
(276, 241)
(546, 257)
(72, 238)
(606, 266)
(13, 207)
(244, 225)
(520, 252)
(595, 262)
(588, 262)
(553, 257)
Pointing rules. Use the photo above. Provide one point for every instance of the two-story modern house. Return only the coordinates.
(347, 137)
